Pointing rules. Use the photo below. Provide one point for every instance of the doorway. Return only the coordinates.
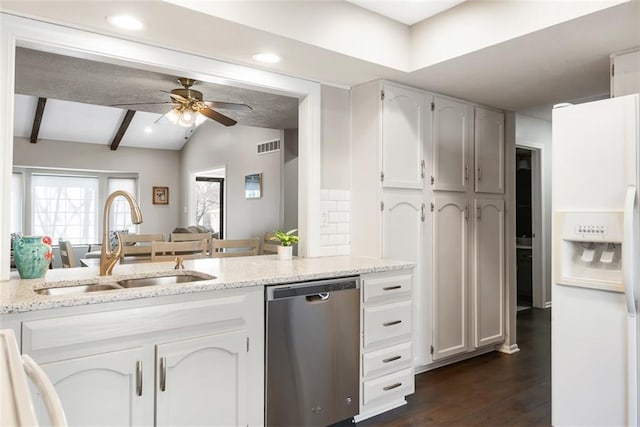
(209, 204)
(530, 292)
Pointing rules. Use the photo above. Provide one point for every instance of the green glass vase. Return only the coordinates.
(32, 254)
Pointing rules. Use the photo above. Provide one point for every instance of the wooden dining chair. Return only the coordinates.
(189, 237)
(269, 246)
(138, 244)
(234, 248)
(168, 251)
(67, 257)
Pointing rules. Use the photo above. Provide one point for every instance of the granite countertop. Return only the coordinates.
(18, 295)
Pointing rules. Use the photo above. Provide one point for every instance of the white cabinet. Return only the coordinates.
(100, 390)
(625, 73)
(403, 124)
(198, 373)
(452, 140)
(488, 272)
(489, 151)
(450, 299)
(186, 360)
(387, 327)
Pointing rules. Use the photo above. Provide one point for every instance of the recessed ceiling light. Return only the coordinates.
(148, 129)
(125, 22)
(267, 57)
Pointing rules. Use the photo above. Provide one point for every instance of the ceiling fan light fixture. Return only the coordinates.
(126, 22)
(267, 57)
(185, 117)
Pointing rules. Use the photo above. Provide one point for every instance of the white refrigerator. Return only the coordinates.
(594, 321)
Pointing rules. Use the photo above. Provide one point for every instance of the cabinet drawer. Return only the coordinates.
(390, 386)
(380, 362)
(386, 286)
(386, 322)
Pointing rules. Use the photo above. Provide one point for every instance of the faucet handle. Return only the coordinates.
(178, 262)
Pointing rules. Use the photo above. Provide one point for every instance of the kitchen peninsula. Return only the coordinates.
(188, 353)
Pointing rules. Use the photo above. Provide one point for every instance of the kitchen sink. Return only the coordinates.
(77, 289)
(168, 279)
(162, 280)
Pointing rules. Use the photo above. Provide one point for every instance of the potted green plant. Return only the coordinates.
(287, 240)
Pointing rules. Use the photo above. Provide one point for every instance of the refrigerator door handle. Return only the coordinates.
(629, 251)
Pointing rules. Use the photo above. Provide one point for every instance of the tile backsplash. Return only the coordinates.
(335, 222)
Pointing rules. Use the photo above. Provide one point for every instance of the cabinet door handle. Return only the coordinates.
(392, 288)
(466, 173)
(479, 212)
(391, 359)
(163, 373)
(393, 322)
(139, 378)
(392, 386)
(479, 174)
(423, 212)
(422, 167)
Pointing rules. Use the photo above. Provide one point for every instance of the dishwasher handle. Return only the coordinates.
(318, 298)
(316, 291)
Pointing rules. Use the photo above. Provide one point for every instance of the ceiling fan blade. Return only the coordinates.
(178, 98)
(142, 103)
(214, 115)
(228, 106)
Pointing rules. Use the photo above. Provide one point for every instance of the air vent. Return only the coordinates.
(268, 147)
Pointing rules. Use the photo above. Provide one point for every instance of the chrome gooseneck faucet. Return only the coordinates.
(108, 258)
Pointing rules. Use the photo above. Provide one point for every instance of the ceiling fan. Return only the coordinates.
(188, 103)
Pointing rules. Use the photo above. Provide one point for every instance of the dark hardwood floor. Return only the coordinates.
(490, 390)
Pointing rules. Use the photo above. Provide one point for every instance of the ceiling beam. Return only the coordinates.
(123, 128)
(37, 119)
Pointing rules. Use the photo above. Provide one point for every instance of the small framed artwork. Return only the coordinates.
(253, 186)
(160, 195)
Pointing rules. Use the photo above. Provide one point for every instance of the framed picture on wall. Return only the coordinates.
(160, 195)
(253, 186)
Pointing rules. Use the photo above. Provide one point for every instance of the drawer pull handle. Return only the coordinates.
(391, 387)
(391, 359)
(391, 288)
(394, 322)
(139, 378)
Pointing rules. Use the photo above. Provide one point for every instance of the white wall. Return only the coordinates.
(336, 143)
(290, 177)
(234, 148)
(154, 168)
(535, 132)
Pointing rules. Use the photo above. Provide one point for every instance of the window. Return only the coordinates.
(17, 202)
(210, 203)
(120, 211)
(65, 207)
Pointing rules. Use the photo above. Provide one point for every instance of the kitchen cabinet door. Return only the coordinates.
(403, 116)
(403, 238)
(489, 151)
(105, 389)
(488, 272)
(450, 228)
(451, 142)
(203, 381)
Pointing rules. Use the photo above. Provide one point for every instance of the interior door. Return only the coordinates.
(487, 291)
(402, 137)
(450, 228)
(451, 142)
(202, 381)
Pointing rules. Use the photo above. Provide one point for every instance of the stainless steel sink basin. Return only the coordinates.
(77, 289)
(162, 280)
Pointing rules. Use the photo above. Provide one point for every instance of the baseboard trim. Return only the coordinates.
(449, 361)
(509, 349)
(379, 410)
(547, 304)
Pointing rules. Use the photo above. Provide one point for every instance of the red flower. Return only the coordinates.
(48, 255)
(46, 240)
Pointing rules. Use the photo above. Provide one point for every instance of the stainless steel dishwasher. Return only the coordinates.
(313, 348)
